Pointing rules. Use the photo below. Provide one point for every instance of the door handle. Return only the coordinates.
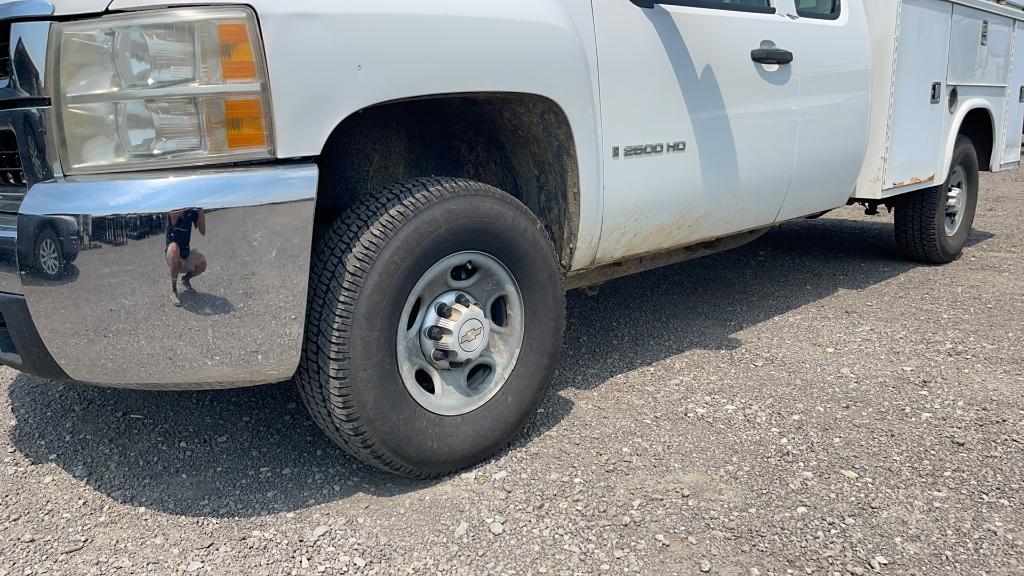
(771, 56)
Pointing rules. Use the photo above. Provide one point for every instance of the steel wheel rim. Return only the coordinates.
(956, 201)
(49, 258)
(454, 390)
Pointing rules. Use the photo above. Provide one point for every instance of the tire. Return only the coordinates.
(366, 267)
(921, 217)
(47, 256)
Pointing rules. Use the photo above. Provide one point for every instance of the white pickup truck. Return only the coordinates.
(385, 200)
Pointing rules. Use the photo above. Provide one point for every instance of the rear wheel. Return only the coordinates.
(435, 319)
(933, 225)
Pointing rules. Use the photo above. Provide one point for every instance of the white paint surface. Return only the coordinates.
(763, 142)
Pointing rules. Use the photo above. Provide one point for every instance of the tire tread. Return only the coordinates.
(916, 233)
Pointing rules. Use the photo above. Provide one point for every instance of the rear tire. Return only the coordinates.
(365, 270)
(933, 225)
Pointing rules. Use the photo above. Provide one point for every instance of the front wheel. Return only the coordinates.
(49, 259)
(933, 225)
(435, 319)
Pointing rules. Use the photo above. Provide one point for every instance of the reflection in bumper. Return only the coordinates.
(109, 320)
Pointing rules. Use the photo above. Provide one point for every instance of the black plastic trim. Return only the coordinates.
(10, 102)
(708, 4)
(21, 347)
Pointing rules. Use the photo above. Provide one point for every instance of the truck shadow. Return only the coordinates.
(255, 452)
(227, 453)
(703, 303)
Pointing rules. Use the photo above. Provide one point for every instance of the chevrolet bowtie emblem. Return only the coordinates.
(471, 335)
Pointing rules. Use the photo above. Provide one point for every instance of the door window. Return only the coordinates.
(823, 9)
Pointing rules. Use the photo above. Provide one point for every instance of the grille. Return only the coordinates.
(5, 51)
(11, 173)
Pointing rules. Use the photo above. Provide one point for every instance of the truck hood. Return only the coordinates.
(72, 7)
(65, 7)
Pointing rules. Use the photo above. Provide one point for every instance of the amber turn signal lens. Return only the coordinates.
(238, 63)
(245, 123)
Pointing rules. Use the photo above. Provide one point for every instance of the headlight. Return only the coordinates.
(161, 88)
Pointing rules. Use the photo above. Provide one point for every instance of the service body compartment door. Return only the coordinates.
(916, 124)
(1015, 110)
(979, 48)
(699, 139)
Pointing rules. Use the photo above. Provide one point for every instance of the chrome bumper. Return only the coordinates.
(109, 320)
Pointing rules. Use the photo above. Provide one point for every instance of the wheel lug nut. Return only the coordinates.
(444, 311)
(439, 355)
(463, 300)
(435, 333)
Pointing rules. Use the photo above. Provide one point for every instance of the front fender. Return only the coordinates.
(329, 60)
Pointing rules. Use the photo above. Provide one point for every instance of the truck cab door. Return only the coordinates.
(833, 72)
(699, 137)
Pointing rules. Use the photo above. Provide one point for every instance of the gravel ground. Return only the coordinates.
(809, 404)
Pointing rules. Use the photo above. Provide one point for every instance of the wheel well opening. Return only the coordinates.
(520, 143)
(977, 126)
(42, 228)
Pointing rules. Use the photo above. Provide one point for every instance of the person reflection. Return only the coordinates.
(181, 257)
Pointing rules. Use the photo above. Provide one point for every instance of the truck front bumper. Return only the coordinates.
(108, 318)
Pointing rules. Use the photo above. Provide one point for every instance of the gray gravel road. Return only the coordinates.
(809, 404)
